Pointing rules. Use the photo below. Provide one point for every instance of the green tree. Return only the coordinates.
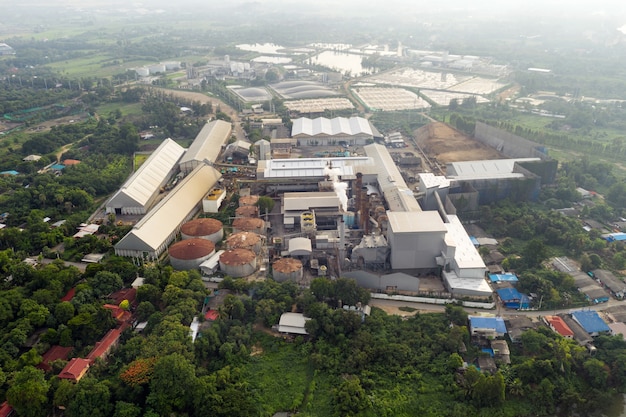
(91, 399)
(350, 398)
(28, 392)
(171, 384)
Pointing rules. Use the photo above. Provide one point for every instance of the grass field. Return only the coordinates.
(127, 109)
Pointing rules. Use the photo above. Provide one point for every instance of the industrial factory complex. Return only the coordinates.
(343, 214)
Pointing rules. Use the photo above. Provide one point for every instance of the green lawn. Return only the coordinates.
(127, 109)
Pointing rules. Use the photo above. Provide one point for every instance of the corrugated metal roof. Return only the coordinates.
(152, 231)
(397, 194)
(465, 255)
(415, 222)
(495, 323)
(146, 181)
(208, 143)
(331, 127)
(307, 201)
(591, 321)
(496, 168)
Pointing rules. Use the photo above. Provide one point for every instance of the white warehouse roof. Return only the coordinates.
(292, 323)
(496, 168)
(157, 229)
(208, 142)
(312, 200)
(145, 183)
(308, 167)
(415, 222)
(331, 127)
(465, 256)
(398, 195)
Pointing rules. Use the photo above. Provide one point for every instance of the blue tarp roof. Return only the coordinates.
(57, 167)
(590, 321)
(474, 241)
(508, 277)
(612, 237)
(496, 323)
(10, 172)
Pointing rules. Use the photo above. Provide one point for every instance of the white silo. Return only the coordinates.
(245, 240)
(190, 253)
(203, 228)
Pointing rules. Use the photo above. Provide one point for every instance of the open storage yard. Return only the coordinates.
(439, 141)
(389, 99)
(442, 98)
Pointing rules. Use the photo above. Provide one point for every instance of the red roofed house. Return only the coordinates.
(104, 346)
(54, 353)
(119, 314)
(75, 369)
(68, 162)
(70, 294)
(558, 325)
(129, 294)
(6, 410)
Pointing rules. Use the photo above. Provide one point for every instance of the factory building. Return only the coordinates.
(339, 131)
(149, 238)
(141, 190)
(326, 206)
(206, 146)
(416, 239)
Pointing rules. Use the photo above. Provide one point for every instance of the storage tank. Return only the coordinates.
(190, 253)
(287, 269)
(248, 200)
(245, 240)
(238, 262)
(247, 211)
(210, 229)
(244, 224)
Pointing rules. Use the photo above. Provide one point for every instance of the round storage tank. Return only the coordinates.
(247, 211)
(254, 225)
(238, 262)
(190, 253)
(244, 240)
(248, 200)
(287, 269)
(210, 229)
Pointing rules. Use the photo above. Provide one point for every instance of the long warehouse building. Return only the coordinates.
(206, 146)
(151, 236)
(142, 188)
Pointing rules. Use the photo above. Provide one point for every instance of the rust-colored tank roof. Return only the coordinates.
(237, 256)
(191, 249)
(287, 265)
(248, 200)
(247, 224)
(243, 240)
(247, 211)
(201, 227)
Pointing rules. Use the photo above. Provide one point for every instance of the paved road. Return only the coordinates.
(434, 308)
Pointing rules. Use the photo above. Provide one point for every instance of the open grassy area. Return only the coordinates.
(127, 109)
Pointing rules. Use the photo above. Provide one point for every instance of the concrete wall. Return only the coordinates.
(507, 143)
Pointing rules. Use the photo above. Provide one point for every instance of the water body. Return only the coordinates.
(346, 63)
(262, 48)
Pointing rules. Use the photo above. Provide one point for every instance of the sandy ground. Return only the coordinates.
(445, 144)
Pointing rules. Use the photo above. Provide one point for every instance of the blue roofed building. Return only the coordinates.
(591, 321)
(508, 277)
(615, 237)
(489, 327)
(9, 172)
(512, 298)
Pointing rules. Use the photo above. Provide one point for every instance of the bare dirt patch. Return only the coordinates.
(445, 144)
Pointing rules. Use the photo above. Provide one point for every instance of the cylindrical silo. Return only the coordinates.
(248, 200)
(247, 211)
(190, 253)
(254, 225)
(244, 240)
(287, 269)
(238, 262)
(210, 229)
